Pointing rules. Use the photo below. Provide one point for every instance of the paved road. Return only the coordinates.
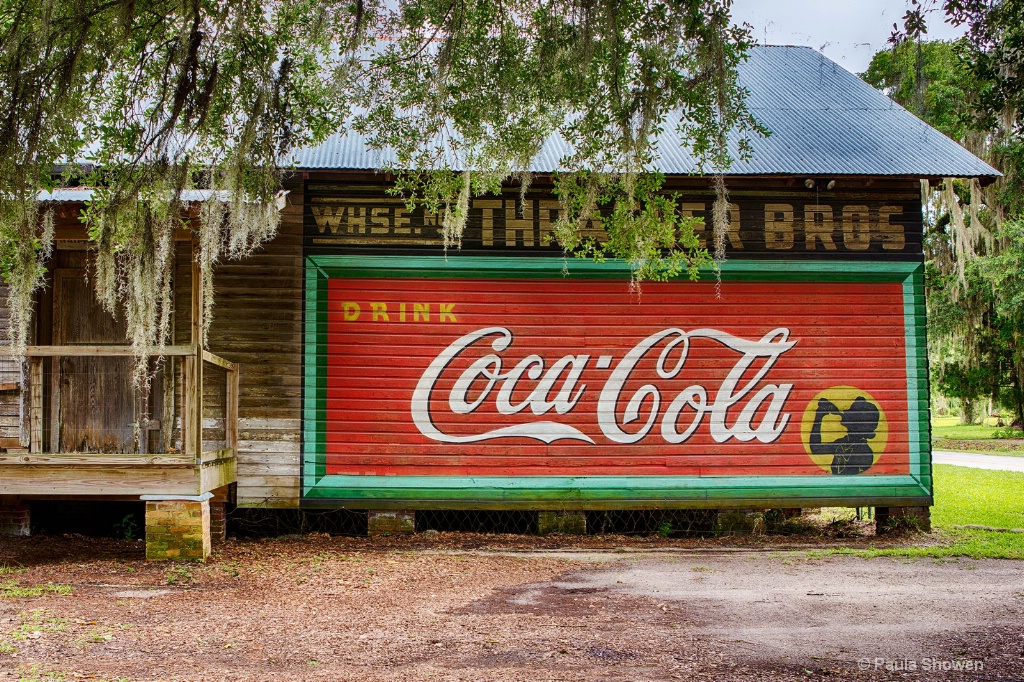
(975, 461)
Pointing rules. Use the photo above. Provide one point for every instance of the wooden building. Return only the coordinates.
(353, 363)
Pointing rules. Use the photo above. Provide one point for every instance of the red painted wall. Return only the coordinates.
(440, 377)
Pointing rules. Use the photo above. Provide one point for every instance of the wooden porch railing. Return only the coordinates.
(191, 412)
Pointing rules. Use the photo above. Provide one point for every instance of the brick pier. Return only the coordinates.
(178, 528)
(14, 516)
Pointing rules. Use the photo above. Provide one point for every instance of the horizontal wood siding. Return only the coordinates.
(768, 218)
(271, 313)
(11, 408)
(257, 322)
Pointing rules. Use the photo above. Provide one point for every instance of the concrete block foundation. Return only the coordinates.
(895, 519)
(567, 522)
(402, 522)
(740, 522)
(178, 530)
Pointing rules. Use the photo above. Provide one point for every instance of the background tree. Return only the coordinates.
(927, 78)
(991, 57)
(1004, 271)
(971, 90)
(164, 97)
(159, 97)
(965, 383)
(972, 340)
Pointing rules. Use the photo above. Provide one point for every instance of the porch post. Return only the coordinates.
(197, 351)
(35, 404)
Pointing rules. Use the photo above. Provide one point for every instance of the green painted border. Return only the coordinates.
(607, 492)
(918, 395)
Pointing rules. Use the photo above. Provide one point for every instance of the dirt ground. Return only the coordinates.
(470, 607)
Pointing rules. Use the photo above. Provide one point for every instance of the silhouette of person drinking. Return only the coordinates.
(851, 454)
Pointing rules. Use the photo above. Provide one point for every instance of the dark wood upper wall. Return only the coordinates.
(774, 217)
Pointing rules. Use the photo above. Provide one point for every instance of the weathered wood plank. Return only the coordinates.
(270, 498)
(231, 417)
(260, 424)
(214, 455)
(270, 464)
(94, 351)
(217, 474)
(19, 479)
(168, 376)
(100, 460)
(258, 325)
(217, 360)
(265, 486)
(36, 404)
(188, 405)
(278, 445)
(196, 338)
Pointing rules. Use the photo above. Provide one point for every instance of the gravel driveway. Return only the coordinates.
(462, 607)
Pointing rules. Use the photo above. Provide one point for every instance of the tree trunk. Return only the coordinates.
(1018, 394)
(967, 408)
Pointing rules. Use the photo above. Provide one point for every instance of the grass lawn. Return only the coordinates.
(949, 434)
(950, 427)
(968, 497)
(978, 496)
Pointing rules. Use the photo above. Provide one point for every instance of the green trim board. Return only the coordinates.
(468, 492)
(314, 375)
(495, 267)
(919, 425)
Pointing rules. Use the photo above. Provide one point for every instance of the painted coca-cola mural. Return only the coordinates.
(458, 385)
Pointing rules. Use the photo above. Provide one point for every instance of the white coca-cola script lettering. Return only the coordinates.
(558, 389)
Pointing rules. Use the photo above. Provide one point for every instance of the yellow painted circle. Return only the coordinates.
(832, 428)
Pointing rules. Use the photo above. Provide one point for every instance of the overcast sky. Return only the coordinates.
(846, 31)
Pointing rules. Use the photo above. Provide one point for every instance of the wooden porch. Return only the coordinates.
(186, 452)
(87, 431)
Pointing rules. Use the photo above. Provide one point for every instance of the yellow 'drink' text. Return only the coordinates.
(380, 311)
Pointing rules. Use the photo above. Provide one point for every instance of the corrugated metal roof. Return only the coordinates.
(824, 120)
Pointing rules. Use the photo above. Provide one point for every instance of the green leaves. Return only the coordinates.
(163, 96)
(990, 65)
(640, 224)
(973, 90)
(480, 85)
(929, 79)
(1004, 270)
